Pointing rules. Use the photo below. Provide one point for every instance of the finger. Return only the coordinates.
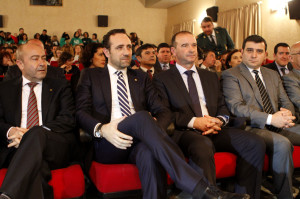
(117, 121)
(217, 128)
(122, 143)
(124, 136)
(12, 144)
(208, 132)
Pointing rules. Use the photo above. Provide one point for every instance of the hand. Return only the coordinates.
(286, 112)
(218, 66)
(134, 67)
(207, 124)
(15, 136)
(282, 119)
(111, 133)
(63, 66)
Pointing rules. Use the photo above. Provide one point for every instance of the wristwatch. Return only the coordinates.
(98, 133)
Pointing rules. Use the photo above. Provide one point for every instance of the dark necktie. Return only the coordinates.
(193, 93)
(282, 70)
(150, 73)
(265, 98)
(212, 40)
(32, 110)
(122, 95)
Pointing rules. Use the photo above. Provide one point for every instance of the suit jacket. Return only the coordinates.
(94, 103)
(223, 40)
(52, 72)
(243, 97)
(57, 108)
(291, 84)
(175, 96)
(273, 66)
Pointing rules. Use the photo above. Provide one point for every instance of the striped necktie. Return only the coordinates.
(265, 98)
(122, 95)
(32, 111)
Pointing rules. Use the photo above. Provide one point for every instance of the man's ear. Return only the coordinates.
(106, 52)
(173, 51)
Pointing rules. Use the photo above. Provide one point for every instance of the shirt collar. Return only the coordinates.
(251, 70)
(280, 66)
(113, 70)
(26, 81)
(181, 69)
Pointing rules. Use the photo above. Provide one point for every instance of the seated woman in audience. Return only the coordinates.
(77, 53)
(56, 54)
(65, 61)
(76, 40)
(54, 41)
(94, 38)
(65, 36)
(36, 36)
(234, 58)
(8, 39)
(93, 56)
(86, 40)
(68, 48)
(24, 39)
(5, 62)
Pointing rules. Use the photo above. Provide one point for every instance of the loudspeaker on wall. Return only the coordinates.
(213, 13)
(102, 21)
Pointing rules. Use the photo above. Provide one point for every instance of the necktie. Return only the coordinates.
(212, 40)
(32, 111)
(265, 98)
(193, 93)
(165, 67)
(282, 70)
(122, 95)
(150, 73)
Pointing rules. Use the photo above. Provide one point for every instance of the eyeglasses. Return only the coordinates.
(296, 53)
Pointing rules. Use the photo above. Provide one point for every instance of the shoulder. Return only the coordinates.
(201, 36)
(270, 65)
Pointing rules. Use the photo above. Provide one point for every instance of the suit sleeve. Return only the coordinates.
(84, 104)
(284, 100)
(230, 44)
(237, 105)
(292, 89)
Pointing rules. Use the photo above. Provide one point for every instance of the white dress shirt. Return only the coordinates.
(145, 70)
(280, 67)
(214, 37)
(269, 119)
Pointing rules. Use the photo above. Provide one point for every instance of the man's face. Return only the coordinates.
(254, 54)
(44, 32)
(120, 52)
(207, 27)
(164, 55)
(223, 59)
(147, 57)
(21, 31)
(210, 59)
(282, 57)
(33, 65)
(185, 50)
(295, 56)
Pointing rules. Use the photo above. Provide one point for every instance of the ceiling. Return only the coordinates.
(161, 3)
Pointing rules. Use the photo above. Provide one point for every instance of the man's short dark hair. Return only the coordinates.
(163, 45)
(143, 47)
(21, 29)
(207, 19)
(280, 45)
(45, 30)
(106, 37)
(255, 39)
(176, 34)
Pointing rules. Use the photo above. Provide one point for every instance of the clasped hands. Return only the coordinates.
(208, 125)
(15, 136)
(283, 119)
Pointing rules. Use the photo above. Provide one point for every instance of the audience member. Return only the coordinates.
(123, 130)
(5, 62)
(68, 48)
(201, 119)
(163, 57)
(215, 39)
(77, 52)
(57, 51)
(92, 56)
(94, 38)
(36, 36)
(222, 59)
(256, 93)
(23, 39)
(21, 32)
(8, 39)
(147, 58)
(2, 38)
(36, 135)
(86, 40)
(282, 58)
(65, 61)
(210, 62)
(76, 40)
(44, 37)
(54, 41)
(234, 58)
(65, 36)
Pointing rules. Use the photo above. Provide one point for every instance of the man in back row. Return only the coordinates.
(257, 93)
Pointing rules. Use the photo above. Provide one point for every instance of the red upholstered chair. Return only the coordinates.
(67, 182)
(54, 63)
(111, 179)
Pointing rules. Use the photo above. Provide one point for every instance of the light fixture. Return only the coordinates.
(279, 5)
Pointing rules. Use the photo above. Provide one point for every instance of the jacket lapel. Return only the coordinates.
(208, 94)
(17, 100)
(246, 73)
(47, 93)
(106, 87)
(133, 87)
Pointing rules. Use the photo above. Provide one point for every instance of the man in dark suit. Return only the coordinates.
(257, 93)
(146, 56)
(113, 105)
(36, 127)
(52, 72)
(216, 39)
(281, 57)
(201, 118)
(163, 58)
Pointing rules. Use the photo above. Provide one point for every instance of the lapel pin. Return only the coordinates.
(50, 89)
(135, 79)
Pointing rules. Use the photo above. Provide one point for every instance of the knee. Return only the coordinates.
(257, 144)
(34, 134)
(201, 150)
(283, 146)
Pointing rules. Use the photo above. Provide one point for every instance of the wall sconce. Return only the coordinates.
(279, 5)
